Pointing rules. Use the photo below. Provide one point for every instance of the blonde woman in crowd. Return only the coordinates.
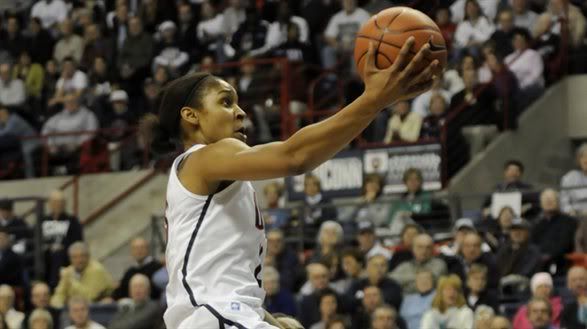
(449, 308)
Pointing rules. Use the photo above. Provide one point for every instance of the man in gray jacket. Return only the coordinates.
(405, 273)
(140, 312)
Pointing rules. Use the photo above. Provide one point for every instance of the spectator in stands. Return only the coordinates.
(315, 12)
(40, 295)
(553, 232)
(329, 239)
(449, 308)
(64, 150)
(573, 315)
(140, 311)
(309, 308)
(275, 216)
(483, 316)
(371, 299)
(443, 19)
(540, 314)
(376, 276)
(352, 266)
(144, 264)
(167, 51)
(318, 207)
(69, 44)
(10, 262)
(462, 227)
(340, 33)
(12, 129)
(40, 319)
(233, 15)
(403, 251)
(210, 29)
(546, 42)
(84, 277)
(283, 258)
(500, 322)
(541, 287)
(574, 187)
(517, 256)
(421, 104)
(39, 42)
(186, 29)
(71, 80)
(476, 292)
(17, 229)
(561, 9)
(50, 12)
(404, 125)
(12, 41)
(135, 54)
(117, 25)
(385, 317)
(433, 123)
(59, 231)
(458, 9)
(415, 202)
(95, 45)
(513, 172)
(328, 304)
(497, 231)
(277, 300)
(101, 81)
(504, 33)
(79, 313)
(527, 65)
(249, 38)
(415, 305)
(405, 273)
(473, 30)
(147, 103)
(471, 253)
(277, 33)
(523, 16)
(32, 74)
(371, 207)
(477, 118)
(12, 317)
(369, 244)
(12, 91)
(118, 117)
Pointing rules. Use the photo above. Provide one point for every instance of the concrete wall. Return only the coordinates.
(541, 143)
(577, 106)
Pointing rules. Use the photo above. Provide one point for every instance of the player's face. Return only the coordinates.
(221, 117)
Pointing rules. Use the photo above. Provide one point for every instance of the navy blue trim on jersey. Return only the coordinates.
(221, 319)
(189, 250)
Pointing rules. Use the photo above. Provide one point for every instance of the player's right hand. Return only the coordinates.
(403, 80)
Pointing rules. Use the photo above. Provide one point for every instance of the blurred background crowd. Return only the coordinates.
(76, 76)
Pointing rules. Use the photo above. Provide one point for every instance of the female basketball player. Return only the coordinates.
(216, 241)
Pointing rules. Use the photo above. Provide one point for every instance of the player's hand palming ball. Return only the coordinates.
(390, 28)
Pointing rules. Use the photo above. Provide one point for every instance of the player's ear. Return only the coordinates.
(190, 115)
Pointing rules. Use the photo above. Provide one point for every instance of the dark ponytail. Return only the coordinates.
(153, 134)
(162, 132)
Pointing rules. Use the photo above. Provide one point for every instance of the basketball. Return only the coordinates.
(390, 28)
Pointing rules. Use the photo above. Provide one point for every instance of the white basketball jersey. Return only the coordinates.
(215, 249)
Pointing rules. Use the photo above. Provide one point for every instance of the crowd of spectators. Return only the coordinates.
(78, 66)
(377, 265)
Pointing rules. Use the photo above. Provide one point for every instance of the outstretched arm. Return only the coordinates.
(230, 159)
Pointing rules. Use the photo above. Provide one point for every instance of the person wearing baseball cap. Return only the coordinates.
(518, 256)
(461, 227)
(368, 242)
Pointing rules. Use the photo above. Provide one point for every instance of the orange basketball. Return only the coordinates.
(390, 28)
